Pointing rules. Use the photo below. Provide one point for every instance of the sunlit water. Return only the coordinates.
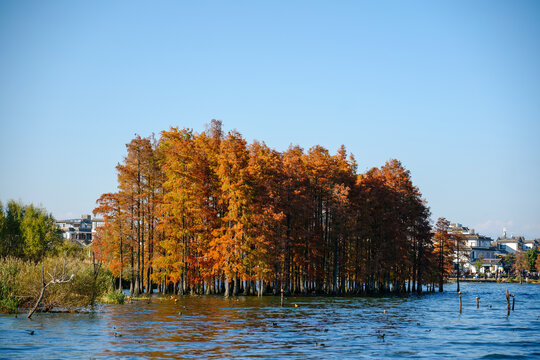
(429, 326)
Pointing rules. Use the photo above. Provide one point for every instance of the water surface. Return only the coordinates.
(428, 326)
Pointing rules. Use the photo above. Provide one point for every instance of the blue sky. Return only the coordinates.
(450, 88)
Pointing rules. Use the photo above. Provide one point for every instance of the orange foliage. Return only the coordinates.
(208, 213)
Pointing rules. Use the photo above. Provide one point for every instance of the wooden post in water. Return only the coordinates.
(459, 292)
(477, 302)
(282, 297)
(513, 301)
(507, 303)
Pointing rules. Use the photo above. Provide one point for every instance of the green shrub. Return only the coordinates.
(9, 302)
(9, 305)
(70, 249)
(113, 297)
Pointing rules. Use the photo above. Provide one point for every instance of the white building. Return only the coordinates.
(80, 231)
(531, 244)
(510, 244)
(476, 246)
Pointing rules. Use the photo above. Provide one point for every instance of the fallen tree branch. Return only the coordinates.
(55, 279)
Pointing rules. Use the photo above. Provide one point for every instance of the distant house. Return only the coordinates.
(531, 244)
(80, 231)
(509, 245)
(476, 246)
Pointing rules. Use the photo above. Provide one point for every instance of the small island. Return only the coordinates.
(209, 214)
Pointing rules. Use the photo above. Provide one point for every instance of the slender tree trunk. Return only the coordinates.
(149, 270)
(227, 285)
(236, 284)
(132, 278)
(335, 270)
(414, 269)
(261, 286)
(120, 288)
(287, 262)
(441, 268)
(142, 288)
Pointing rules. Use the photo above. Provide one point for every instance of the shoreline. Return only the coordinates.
(499, 281)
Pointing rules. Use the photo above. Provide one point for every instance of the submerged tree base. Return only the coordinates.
(362, 290)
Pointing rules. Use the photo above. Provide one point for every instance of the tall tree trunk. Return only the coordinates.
(120, 287)
(142, 288)
(335, 270)
(236, 284)
(227, 285)
(261, 286)
(287, 262)
(132, 278)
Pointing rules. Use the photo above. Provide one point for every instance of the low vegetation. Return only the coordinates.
(21, 284)
(113, 297)
(40, 270)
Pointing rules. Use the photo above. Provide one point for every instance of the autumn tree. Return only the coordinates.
(127, 239)
(268, 234)
(191, 210)
(178, 207)
(521, 264)
(443, 250)
(294, 235)
(461, 254)
(229, 245)
(421, 246)
(109, 242)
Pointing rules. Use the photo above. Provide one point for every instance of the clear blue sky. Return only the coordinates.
(450, 88)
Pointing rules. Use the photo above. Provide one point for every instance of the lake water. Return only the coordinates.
(428, 326)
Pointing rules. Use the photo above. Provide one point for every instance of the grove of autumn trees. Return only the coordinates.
(209, 213)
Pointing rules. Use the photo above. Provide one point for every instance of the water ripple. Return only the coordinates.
(428, 327)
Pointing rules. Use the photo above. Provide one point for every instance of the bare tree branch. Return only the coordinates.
(55, 279)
